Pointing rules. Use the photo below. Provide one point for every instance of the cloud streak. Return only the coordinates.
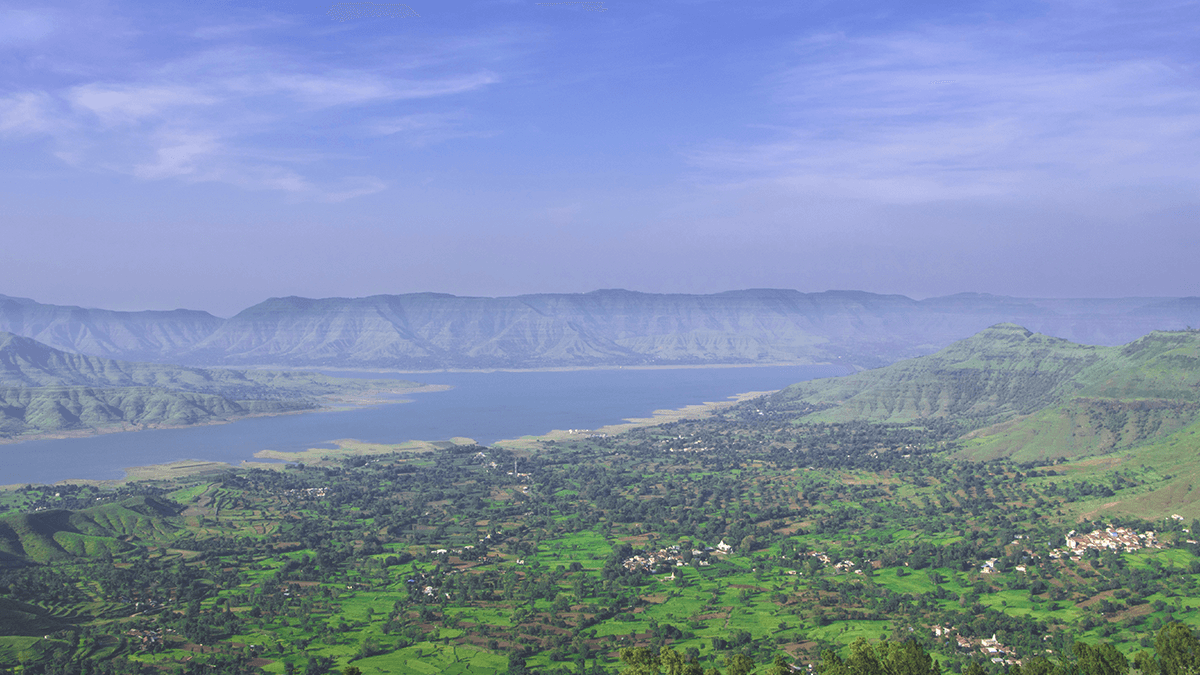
(215, 115)
(951, 112)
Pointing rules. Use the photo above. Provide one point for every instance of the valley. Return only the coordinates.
(892, 506)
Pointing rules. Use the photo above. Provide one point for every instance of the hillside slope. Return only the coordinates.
(1140, 392)
(995, 375)
(1025, 395)
(617, 327)
(47, 536)
(135, 336)
(46, 390)
(601, 328)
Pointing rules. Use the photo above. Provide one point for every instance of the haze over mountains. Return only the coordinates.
(602, 328)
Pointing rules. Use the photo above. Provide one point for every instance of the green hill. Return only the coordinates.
(47, 390)
(1025, 395)
(23, 618)
(45, 536)
(1144, 391)
(997, 374)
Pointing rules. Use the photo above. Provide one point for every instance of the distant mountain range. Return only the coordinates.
(45, 390)
(428, 331)
(1023, 394)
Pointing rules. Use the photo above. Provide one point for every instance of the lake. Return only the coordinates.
(484, 406)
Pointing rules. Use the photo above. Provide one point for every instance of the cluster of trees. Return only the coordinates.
(668, 661)
(1176, 652)
(885, 658)
(349, 518)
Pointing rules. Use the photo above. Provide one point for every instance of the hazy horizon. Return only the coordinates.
(466, 295)
(212, 155)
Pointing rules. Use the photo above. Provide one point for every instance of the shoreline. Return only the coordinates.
(662, 416)
(263, 459)
(349, 447)
(552, 369)
(324, 405)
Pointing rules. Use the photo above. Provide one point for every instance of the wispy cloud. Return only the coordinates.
(953, 112)
(134, 103)
(179, 154)
(423, 129)
(224, 112)
(349, 88)
(27, 113)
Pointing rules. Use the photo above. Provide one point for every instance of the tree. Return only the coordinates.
(739, 664)
(779, 666)
(516, 664)
(674, 663)
(640, 661)
(351, 670)
(1039, 665)
(891, 658)
(1177, 649)
(974, 668)
(1101, 660)
(908, 658)
(1145, 663)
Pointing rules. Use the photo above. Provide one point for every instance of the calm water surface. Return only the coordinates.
(484, 406)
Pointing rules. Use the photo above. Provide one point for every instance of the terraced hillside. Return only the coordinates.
(103, 530)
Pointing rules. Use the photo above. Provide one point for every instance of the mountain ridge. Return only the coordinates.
(150, 335)
(604, 328)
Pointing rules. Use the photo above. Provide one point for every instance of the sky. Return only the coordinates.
(211, 154)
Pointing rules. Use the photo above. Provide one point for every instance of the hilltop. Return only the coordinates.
(58, 534)
(1022, 393)
(992, 376)
(420, 331)
(45, 390)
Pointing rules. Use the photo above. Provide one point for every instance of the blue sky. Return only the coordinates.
(211, 154)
